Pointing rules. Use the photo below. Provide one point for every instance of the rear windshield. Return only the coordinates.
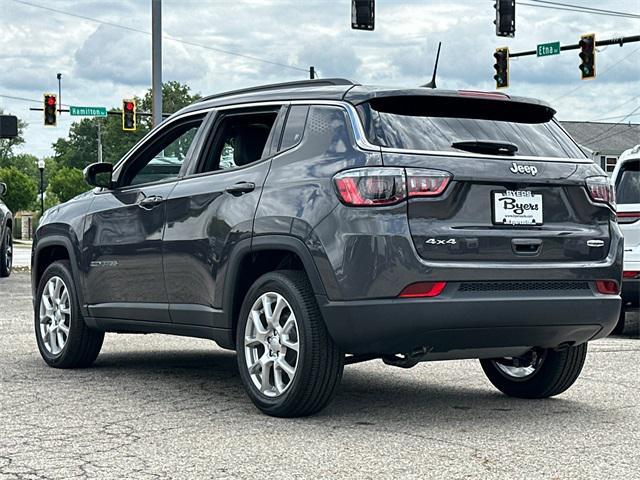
(417, 126)
(628, 183)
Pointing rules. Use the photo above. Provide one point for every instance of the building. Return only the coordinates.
(604, 142)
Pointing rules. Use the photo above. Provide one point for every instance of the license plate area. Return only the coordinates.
(516, 207)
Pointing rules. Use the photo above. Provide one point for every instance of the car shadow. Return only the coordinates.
(366, 396)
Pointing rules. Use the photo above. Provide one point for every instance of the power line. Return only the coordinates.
(524, 4)
(618, 106)
(613, 118)
(583, 7)
(600, 136)
(609, 68)
(166, 37)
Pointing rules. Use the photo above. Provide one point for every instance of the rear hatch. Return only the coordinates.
(517, 190)
(627, 187)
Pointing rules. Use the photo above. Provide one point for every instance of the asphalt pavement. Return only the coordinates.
(157, 406)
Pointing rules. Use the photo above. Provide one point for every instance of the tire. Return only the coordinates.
(554, 372)
(81, 345)
(318, 364)
(619, 328)
(6, 254)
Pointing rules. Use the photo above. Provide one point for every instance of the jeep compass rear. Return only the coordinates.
(315, 224)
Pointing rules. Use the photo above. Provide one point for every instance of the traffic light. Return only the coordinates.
(129, 115)
(588, 56)
(50, 109)
(502, 67)
(505, 18)
(362, 14)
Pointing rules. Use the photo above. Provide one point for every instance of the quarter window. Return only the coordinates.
(294, 128)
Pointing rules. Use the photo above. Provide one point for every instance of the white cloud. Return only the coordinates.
(102, 64)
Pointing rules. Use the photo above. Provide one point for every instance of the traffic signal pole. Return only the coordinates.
(156, 61)
(576, 46)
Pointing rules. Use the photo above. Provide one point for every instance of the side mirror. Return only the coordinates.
(3, 189)
(99, 174)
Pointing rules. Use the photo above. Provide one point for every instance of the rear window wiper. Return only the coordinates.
(486, 146)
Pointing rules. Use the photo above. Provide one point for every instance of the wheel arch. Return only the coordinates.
(51, 249)
(258, 256)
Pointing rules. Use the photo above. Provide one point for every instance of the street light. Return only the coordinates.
(41, 168)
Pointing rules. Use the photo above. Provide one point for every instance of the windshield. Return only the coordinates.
(628, 183)
(412, 129)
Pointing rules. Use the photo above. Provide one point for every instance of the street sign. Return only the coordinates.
(546, 49)
(87, 111)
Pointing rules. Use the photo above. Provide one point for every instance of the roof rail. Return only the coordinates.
(323, 82)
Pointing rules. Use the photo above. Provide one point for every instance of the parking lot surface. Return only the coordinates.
(156, 406)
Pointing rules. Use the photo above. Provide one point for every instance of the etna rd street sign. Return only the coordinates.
(546, 49)
(88, 111)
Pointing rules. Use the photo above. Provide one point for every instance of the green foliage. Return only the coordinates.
(21, 190)
(66, 183)
(7, 144)
(24, 162)
(81, 147)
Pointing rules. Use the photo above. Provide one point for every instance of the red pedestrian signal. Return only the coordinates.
(50, 109)
(129, 115)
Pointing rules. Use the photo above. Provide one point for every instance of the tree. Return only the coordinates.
(24, 162)
(7, 144)
(21, 190)
(66, 183)
(81, 147)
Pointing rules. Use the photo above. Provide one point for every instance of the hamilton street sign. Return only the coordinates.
(87, 111)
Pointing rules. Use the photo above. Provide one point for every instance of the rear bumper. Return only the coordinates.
(470, 327)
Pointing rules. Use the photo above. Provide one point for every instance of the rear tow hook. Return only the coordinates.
(407, 360)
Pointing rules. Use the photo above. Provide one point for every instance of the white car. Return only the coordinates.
(626, 179)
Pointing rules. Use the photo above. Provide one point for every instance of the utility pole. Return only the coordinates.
(59, 76)
(156, 60)
(99, 142)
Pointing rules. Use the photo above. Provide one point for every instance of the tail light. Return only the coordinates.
(630, 274)
(628, 217)
(600, 190)
(607, 287)
(362, 187)
(423, 289)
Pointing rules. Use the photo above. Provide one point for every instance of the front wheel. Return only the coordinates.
(288, 363)
(541, 373)
(6, 253)
(64, 340)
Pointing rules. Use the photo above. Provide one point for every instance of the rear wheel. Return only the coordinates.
(541, 373)
(288, 363)
(6, 254)
(64, 340)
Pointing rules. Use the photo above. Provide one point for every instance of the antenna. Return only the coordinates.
(432, 83)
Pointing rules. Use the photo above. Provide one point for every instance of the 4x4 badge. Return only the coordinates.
(523, 169)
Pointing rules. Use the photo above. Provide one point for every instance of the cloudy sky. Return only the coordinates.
(101, 62)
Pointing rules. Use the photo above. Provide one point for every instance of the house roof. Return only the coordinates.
(601, 137)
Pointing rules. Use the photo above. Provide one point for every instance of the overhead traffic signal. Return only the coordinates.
(129, 115)
(505, 18)
(501, 67)
(588, 56)
(50, 109)
(363, 14)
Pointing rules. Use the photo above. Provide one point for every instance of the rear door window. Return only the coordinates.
(628, 183)
(421, 126)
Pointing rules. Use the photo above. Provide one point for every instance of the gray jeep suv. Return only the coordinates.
(315, 224)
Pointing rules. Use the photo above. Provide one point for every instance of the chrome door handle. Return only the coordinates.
(240, 188)
(150, 202)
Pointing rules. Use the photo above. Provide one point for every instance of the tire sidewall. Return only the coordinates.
(59, 269)
(274, 282)
(5, 270)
